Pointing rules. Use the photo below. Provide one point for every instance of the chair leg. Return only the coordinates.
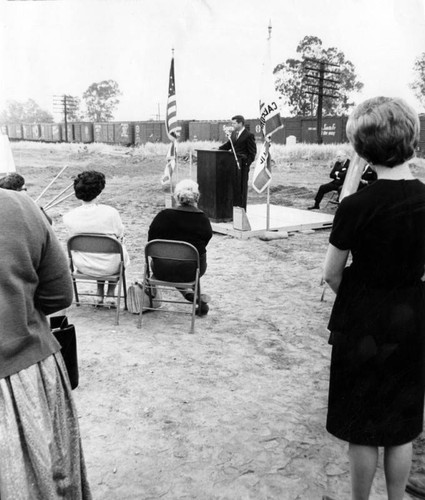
(139, 319)
(117, 312)
(196, 300)
(125, 289)
(77, 299)
(150, 293)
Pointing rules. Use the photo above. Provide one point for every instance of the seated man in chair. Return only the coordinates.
(337, 175)
(185, 223)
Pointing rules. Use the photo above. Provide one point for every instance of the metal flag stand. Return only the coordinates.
(268, 209)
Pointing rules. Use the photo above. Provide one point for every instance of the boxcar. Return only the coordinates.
(36, 132)
(14, 132)
(56, 132)
(124, 133)
(27, 132)
(205, 130)
(83, 132)
(148, 131)
(46, 132)
(104, 132)
(68, 134)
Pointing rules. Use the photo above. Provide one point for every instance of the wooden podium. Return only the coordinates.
(215, 175)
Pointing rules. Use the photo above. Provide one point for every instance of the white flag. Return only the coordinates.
(262, 172)
(270, 121)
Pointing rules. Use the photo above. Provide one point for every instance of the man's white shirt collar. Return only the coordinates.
(240, 132)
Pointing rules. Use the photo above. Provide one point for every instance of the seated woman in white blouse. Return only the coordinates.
(92, 217)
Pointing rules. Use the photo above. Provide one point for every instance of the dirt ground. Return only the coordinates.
(235, 411)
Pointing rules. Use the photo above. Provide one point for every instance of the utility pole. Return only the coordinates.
(320, 81)
(65, 104)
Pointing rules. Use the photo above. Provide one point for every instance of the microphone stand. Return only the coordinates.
(234, 152)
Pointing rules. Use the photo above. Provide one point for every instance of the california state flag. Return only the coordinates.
(270, 121)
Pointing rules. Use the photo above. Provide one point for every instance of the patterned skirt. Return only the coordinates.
(40, 448)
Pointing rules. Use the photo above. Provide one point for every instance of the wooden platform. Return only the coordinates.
(281, 219)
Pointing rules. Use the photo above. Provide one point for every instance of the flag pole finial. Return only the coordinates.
(270, 28)
(172, 51)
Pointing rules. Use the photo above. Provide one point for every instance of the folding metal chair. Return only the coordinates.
(333, 199)
(172, 265)
(98, 243)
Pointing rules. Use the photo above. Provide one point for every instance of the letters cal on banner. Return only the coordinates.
(270, 121)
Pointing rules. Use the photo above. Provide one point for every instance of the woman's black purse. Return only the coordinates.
(65, 335)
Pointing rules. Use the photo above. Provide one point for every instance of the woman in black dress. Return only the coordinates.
(184, 222)
(377, 325)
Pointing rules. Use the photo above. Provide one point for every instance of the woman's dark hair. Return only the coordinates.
(12, 181)
(384, 131)
(89, 184)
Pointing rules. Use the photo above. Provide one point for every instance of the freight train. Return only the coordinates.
(302, 129)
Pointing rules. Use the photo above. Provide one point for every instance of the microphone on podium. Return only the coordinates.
(228, 129)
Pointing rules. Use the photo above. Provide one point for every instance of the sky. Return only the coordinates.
(54, 47)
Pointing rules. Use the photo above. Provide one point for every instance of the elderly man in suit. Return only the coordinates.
(245, 149)
(337, 175)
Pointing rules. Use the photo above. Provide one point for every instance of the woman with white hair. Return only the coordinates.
(377, 325)
(187, 223)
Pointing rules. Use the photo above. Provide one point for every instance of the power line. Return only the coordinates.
(315, 83)
(65, 104)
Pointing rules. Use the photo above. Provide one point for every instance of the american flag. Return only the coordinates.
(170, 165)
(173, 130)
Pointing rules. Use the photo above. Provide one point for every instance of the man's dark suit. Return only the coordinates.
(245, 149)
(337, 175)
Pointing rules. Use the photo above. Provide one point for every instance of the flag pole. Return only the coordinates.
(175, 153)
(268, 209)
(171, 185)
(268, 186)
(270, 121)
(175, 157)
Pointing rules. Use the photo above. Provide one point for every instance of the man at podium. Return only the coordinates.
(242, 143)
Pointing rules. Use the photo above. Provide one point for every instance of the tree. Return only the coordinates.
(101, 100)
(289, 79)
(24, 112)
(418, 85)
